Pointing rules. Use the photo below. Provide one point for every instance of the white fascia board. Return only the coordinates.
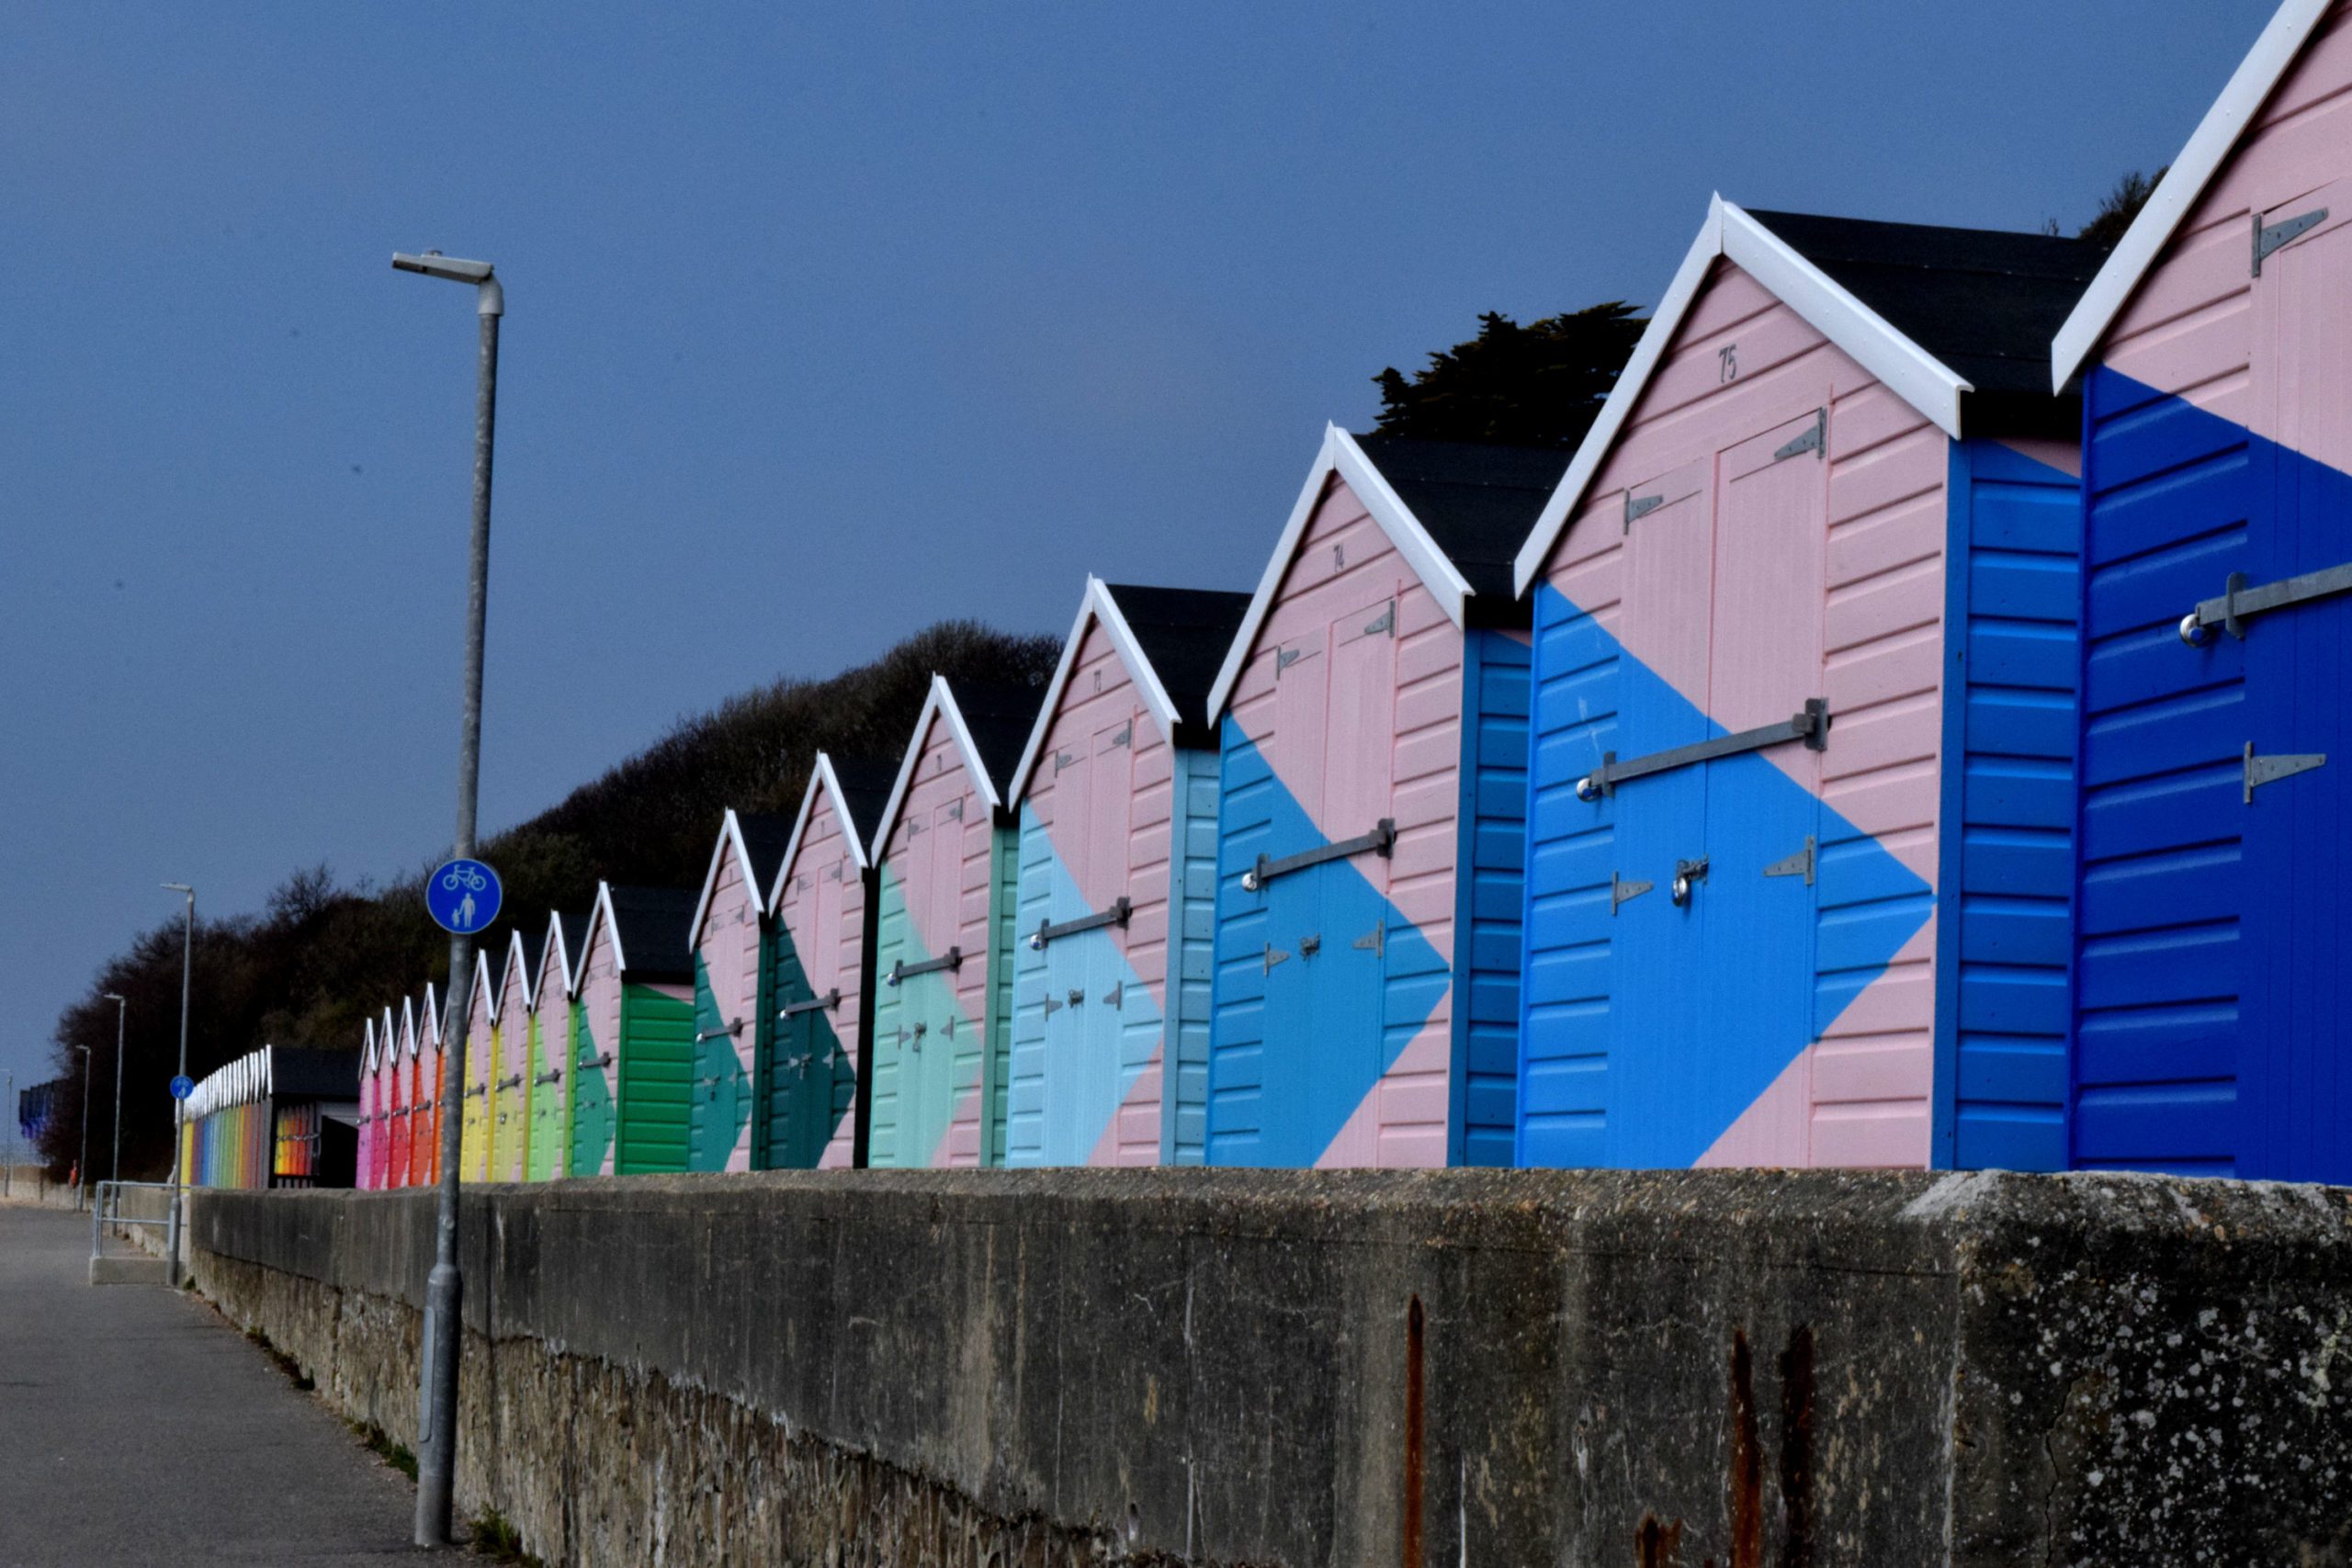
(481, 991)
(431, 1020)
(1341, 458)
(518, 962)
(1909, 371)
(2216, 137)
(553, 956)
(940, 704)
(823, 783)
(1100, 607)
(1665, 321)
(731, 835)
(600, 915)
(408, 1026)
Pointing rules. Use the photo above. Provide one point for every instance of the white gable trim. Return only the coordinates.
(408, 1026)
(431, 1020)
(822, 777)
(482, 990)
(730, 832)
(367, 1049)
(941, 704)
(1910, 372)
(599, 915)
(2257, 76)
(517, 962)
(1341, 458)
(1099, 607)
(553, 945)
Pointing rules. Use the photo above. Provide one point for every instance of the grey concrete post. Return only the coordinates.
(179, 1107)
(445, 1287)
(121, 1015)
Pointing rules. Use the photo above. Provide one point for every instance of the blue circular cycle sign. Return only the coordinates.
(182, 1087)
(463, 896)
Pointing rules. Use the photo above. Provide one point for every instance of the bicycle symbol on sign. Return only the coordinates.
(463, 896)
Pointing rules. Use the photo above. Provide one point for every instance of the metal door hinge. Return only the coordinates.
(1374, 940)
(1383, 622)
(956, 809)
(1063, 759)
(1815, 441)
(1640, 506)
(2238, 602)
(1052, 1006)
(1116, 996)
(2271, 237)
(2260, 770)
(1688, 874)
(1798, 864)
(1274, 955)
(1287, 657)
(1126, 735)
(1622, 892)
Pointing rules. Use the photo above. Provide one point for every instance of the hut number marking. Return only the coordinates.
(1727, 363)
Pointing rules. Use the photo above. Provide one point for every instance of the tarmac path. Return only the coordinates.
(137, 1426)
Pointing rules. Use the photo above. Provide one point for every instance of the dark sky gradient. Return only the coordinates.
(825, 322)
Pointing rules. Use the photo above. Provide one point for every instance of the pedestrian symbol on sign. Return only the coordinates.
(464, 896)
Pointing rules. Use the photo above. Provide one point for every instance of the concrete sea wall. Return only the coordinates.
(1297, 1368)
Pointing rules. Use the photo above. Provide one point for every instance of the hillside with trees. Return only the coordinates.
(324, 955)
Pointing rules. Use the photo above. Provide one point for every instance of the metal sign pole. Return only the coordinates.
(445, 1289)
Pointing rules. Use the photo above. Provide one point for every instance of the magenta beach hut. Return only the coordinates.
(1372, 717)
(1805, 633)
(729, 934)
(1115, 798)
(371, 1083)
(479, 1044)
(944, 932)
(2215, 356)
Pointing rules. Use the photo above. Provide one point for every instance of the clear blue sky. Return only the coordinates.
(825, 321)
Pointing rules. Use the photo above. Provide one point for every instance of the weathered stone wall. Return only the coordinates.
(1078, 1367)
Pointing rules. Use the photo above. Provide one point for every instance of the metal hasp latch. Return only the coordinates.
(551, 1075)
(2238, 602)
(954, 960)
(1815, 441)
(831, 999)
(1622, 892)
(2284, 232)
(1687, 874)
(1811, 726)
(2260, 770)
(1381, 841)
(734, 1028)
(1117, 915)
(1798, 864)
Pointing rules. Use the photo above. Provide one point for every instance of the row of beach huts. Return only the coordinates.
(1909, 731)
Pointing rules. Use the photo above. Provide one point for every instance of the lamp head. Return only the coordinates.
(432, 264)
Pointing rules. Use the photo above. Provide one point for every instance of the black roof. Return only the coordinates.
(1000, 715)
(1186, 633)
(305, 1072)
(575, 932)
(766, 838)
(865, 783)
(1479, 501)
(1986, 301)
(652, 923)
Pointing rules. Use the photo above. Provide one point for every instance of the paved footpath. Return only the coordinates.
(137, 1428)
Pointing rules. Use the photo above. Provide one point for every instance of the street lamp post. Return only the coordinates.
(82, 1172)
(8, 1167)
(121, 1013)
(445, 1289)
(179, 1174)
